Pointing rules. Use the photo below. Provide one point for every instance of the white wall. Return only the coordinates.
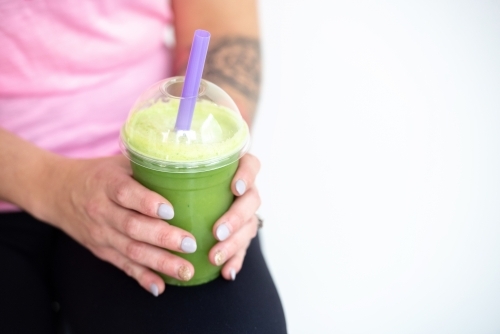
(381, 180)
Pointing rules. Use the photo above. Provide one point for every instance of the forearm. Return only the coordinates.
(233, 60)
(240, 79)
(25, 171)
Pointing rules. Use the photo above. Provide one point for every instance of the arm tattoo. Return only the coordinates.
(235, 61)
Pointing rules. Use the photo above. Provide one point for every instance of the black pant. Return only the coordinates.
(47, 279)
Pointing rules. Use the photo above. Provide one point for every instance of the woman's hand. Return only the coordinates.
(239, 225)
(97, 203)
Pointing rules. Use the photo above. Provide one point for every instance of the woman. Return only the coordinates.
(74, 222)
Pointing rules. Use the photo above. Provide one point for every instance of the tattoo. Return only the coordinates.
(235, 61)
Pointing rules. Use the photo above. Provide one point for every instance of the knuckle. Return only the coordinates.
(140, 275)
(257, 164)
(93, 208)
(163, 264)
(134, 250)
(101, 173)
(122, 192)
(243, 254)
(253, 163)
(238, 219)
(99, 252)
(128, 268)
(131, 226)
(96, 233)
(232, 247)
(164, 238)
(258, 199)
(144, 206)
(255, 230)
(113, 257)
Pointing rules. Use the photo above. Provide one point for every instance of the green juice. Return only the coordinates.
(199, 199)
(192, 169)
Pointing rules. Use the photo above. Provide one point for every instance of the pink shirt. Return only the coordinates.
(71, 70)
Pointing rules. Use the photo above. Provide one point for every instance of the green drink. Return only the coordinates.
(192, 169)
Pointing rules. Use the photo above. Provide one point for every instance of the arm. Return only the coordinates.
(233, 59)
(23, 166)
(233, 63)
(97, 203)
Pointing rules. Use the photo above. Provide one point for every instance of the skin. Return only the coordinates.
(96, 201)
(233, 59)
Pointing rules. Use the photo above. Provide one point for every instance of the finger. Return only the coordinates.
(154, 258)
(123, 162)
(150, 281)
(244, 178)
(242, 210)
(152, 231)
(226, 249)
(233, 265)
(130, 194)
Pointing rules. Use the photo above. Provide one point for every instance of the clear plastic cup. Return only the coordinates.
(192, 168)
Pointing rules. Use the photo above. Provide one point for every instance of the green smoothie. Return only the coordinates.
(192, 169)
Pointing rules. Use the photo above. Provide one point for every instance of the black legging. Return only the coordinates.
(42, 269)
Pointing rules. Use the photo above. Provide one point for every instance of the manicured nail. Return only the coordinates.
(165, 211)
(185, 273)
(232, 272)
(241, 187)
(154, 289)
(219, 258)
(188, 245)
(222, 232)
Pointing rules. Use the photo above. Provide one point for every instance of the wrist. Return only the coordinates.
(44, 185)
(28, 174)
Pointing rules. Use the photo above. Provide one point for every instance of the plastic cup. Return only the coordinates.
(192, 168)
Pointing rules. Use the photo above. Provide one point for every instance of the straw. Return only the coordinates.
(192, 79)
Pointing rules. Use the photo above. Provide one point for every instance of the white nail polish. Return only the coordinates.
(241, 187)
(222, 232)
(165, 211)
(188, 245)
(232, 272)
(154, 289)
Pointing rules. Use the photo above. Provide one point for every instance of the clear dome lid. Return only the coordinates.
(218, 134)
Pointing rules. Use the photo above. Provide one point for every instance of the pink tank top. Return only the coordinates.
(71, 70)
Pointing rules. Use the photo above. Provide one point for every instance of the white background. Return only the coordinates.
(378, 131)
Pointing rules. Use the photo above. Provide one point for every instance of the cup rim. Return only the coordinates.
(182, 166)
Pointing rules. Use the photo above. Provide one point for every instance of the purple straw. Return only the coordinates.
(192, 79)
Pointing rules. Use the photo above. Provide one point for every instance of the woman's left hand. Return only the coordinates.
(239, 225)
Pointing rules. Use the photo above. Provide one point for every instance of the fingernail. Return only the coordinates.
(185, 273)
(165, 211)
(232, 272)
(188, 245)
(222, 232)
(154, 289)
(219, 257)
(241, 187)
